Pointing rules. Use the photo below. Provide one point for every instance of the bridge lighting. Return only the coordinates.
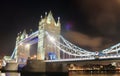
(27, 45)
(52, 39)
(21, 44)
(34, 56)
(114, 64)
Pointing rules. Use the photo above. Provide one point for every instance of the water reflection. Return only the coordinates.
(70, 73)
(94, 73)
(10, 74)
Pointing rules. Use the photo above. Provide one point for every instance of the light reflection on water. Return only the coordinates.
(71, 73)
(94, 73)
(10, 74)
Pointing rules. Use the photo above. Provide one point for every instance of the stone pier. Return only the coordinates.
(41, 66)
(10, 67)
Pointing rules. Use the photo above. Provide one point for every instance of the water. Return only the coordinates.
(71, 73)
(94, 73)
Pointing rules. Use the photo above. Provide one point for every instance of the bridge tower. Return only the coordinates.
(45, 44)
(21, 51)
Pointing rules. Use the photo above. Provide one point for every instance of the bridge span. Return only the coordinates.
(54, 51)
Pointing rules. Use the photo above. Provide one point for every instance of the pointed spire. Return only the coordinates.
(24, 31)
(18, 37)
(50, 13)
(41, 17)
(20, 32)
(45, 14)
(31, 30)
(50, 18)
(24, 34)
(58, 22)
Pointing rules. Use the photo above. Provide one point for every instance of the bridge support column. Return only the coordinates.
(41, 66)
(11, 67)
(35, 66)
(56, 67)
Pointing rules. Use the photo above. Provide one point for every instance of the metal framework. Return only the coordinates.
(46, 26)
(70, 48)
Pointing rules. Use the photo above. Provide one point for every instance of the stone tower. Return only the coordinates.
(21, 51)
(45, 46)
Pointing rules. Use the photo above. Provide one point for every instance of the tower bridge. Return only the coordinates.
(52, 47)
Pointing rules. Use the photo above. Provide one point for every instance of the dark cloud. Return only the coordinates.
(104, 15)
(88, 42)
(83, 40)
(98, 22)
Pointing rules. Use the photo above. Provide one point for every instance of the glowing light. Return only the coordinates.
(34, 56)
(21, 44)
(52, 39)
(114, 64)
(68, 26)
(27, 45)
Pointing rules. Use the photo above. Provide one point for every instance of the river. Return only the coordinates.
(71, 73)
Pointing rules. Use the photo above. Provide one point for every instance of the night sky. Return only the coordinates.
(91, 24)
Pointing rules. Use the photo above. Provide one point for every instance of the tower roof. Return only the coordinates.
(50, 18)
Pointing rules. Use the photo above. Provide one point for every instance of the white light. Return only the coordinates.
(21, 44)
(27, 45)
(52, 39)
(34, 56)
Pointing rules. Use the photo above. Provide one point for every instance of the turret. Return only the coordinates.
(24, 35)
(18, 37)
(50, 19)
(58, 22)
(48, 24)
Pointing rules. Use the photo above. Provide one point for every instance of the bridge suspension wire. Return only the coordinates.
(69, 48)
(114, 48)
(33, 35)
(74, 47)
(13, 54)
(23, 40)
